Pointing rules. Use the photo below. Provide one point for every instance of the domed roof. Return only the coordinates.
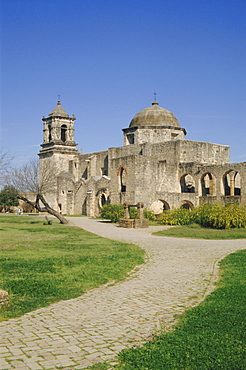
(59, 111)
(154, 116)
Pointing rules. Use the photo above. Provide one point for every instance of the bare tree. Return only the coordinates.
(31, 178)
(5, 161)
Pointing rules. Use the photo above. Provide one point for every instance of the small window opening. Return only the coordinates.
(130, 138)
(50, 137)
(63, 133)
(85, 174)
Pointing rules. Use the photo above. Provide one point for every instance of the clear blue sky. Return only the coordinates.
(107, 57)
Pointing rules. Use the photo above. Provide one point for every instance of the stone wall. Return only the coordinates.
(153, 134)
(176, 172)
(93, 164)
(202, 152)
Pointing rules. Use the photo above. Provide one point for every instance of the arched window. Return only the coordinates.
(187, 205)
(187, 184)
(208, 184)
(159, 206)
(63, 133)
(166, 206)
(232, 183)
(122, 173)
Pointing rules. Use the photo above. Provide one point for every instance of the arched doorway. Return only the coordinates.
(103, 199)
(84, 207)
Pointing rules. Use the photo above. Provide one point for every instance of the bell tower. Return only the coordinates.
(58, 147)
(58, 132)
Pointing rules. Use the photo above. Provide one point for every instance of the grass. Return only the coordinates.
(211, 336)
(199, 232)
(42, 264)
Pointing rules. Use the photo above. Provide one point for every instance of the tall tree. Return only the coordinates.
(8, 197)
(31, 179)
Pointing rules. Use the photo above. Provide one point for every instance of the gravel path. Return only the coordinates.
(93, 328)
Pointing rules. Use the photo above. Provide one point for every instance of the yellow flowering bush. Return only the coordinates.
(179, 216)
(207, 215)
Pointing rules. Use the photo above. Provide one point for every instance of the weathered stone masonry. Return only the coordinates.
(156, 166)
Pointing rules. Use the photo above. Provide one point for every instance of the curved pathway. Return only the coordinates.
(93, 328)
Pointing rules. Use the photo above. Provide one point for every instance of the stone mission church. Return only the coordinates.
(156, 166)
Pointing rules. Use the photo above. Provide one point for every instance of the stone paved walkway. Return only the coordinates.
(93, 328)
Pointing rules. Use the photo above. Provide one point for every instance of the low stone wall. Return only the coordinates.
(134, 223)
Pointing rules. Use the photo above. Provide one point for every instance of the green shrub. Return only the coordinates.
(205, 214)
(220, 217)
(149, 215)
(133, 212)
(180, 216)
(112, 212)
(214, 216)
(115, 211)
(8, 197)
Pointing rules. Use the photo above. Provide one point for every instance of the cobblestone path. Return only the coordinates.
(93, 328)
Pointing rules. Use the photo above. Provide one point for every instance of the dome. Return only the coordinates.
(59, 111)
(154, 116)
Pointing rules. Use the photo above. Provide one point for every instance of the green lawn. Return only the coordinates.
(211, 336)
(42, 264)
(198, 232)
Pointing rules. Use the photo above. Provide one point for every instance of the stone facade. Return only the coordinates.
(156, 166)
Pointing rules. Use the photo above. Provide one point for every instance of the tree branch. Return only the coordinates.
(46, 207)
